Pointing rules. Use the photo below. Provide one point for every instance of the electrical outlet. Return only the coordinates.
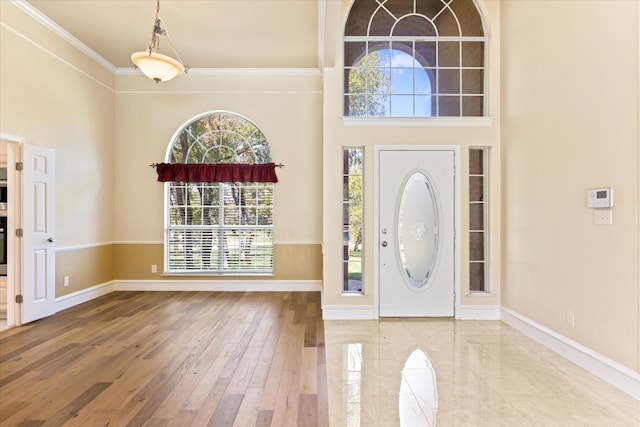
(65, 281)
(571, 319)
(602, 216)
(154, 268)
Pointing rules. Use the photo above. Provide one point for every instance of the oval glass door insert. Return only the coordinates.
(417, 230)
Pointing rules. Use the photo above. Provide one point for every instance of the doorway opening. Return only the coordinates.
(9, 211)
(3, 236)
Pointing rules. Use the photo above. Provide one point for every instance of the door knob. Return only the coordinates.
(52, 239)
(384, 244)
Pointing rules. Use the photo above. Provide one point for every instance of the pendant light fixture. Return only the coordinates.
(156, 66)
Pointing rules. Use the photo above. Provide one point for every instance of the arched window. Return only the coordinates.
(414, 58)
(219, 227)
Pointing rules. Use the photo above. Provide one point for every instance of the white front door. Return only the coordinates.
(38, 248)
(416, 261)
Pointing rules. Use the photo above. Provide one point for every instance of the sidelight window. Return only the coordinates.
(478, 237)
(352, 212)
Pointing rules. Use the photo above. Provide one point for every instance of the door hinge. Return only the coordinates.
(19, 299)
(19, 232)
(19, 166)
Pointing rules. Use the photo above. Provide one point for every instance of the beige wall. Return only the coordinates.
(53, 96)
(570, 123)
(297, 262)
(286, 108)
(84, 267)
(106, 130)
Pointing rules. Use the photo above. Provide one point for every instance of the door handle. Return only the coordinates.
(52, 239)
(384, 244)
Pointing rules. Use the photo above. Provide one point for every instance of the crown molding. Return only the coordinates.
(234, 71)
(44, 20)
(62, 33)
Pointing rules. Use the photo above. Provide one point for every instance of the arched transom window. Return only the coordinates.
(219, 227)
(414, 58)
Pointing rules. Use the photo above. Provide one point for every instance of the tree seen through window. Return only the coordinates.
(414, 59)
(389, 83)
(219, 227)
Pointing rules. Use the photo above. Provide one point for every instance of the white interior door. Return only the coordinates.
(38, 248)
(416, 270)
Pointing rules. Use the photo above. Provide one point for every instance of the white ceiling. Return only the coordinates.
(205, 33)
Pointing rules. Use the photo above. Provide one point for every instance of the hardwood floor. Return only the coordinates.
(169, 359)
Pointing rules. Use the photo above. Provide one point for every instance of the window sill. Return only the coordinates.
(215, 274)
(418, 121)
(352, 294)
(480, 294)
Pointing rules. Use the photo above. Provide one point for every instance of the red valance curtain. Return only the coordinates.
(221, 172)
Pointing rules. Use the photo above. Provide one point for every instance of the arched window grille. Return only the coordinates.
(218, 227)
(414, 58)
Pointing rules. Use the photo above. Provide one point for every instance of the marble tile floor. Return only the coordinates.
(413, 373)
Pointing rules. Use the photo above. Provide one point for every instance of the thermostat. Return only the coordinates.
(600, 198)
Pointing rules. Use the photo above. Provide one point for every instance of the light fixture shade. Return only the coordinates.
(157, 66)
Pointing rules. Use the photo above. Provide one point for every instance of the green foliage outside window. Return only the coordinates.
(220, 227)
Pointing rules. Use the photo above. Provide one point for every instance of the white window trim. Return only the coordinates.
(418, 121)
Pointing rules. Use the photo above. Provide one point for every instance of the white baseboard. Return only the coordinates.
(363, 312)
(617, 375)
(478, 312)
(84, 295)
(220, 285)
(348, 312)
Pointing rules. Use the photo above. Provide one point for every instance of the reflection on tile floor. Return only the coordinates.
(412, 373)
